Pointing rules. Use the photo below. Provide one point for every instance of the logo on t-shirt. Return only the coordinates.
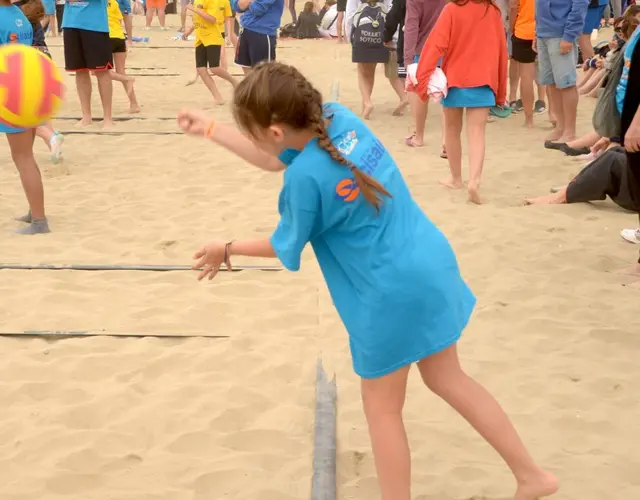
(347, 190)
(347, 143)
(19, 23)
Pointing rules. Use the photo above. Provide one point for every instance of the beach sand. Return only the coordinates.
(555, 336)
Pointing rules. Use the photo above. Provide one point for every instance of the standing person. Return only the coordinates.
(208, 16)
(49, 22)
(156, 7)
(394, 30)
(125, 10)
(558, 26)
(258, 31)
(342, 8)
(628, 104)
(595, 11)
(420, 19)
(119, 52)
(470, 38)
(16, 28)
(183, 14)
(523, 26)
(365, 22)
(87, 49)
(392, 274)
(59, 13)
(34, 11)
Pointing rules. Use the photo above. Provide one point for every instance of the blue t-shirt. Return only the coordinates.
(14, 28)
(262, 16)
(392, 275)
(88, 15)
(630, 46)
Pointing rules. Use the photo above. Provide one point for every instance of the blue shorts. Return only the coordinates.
(125, 7)
(592, 20)
(472, 97)
(555, 68)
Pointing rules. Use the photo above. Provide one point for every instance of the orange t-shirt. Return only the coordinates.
(525, 28)
(471, 40)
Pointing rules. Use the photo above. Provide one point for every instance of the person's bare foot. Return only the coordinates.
(367, 109)
(631, 271)
(555, 135)
(219, 101)
(399, 109)
(550, 199)
(473, 189)
(134, 109)
(544, 485)
(528, 122)
(84, 122)
(564, 138)
(452, 183)
(107, 124)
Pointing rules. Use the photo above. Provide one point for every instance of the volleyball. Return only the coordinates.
(31, 87)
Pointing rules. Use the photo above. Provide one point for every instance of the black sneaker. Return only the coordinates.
(539, 107)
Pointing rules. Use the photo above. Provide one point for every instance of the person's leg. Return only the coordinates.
(203, 56)
(149, 16)
(514, 81)
(598, 83)
(292, 11)
(83, 86)
(584, 42)
(59, 15)
(391, 72)
(21, 145)
(162, 14)
(183, 15)
(585, 77)
(225, 75)
(383, 400)
(476, 124)
(366, 80)
(52, 139)
(120, 59)
(444, 376)
(617, 8)
(419, 110)
(566, 94)
(453, 144)
(105, 88)
(527, 75)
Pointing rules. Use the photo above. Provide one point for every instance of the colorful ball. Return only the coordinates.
(31, 87)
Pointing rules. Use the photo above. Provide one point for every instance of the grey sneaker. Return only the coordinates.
(37, 226)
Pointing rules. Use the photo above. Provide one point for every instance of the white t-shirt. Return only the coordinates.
(329, 21)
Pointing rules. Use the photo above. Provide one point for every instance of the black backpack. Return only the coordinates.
(368, 25)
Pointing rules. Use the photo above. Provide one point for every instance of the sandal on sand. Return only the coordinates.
(559, 146)
(631, 235)
(500, 111)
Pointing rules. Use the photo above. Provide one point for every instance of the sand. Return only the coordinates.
(555, 335)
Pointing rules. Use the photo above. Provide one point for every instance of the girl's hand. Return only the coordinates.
(632, 138)
(194, 122)
(600, 146)
(210, 257)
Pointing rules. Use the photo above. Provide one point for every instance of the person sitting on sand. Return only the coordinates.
(329, 20)
(308, 22)
(607, 175)
(597, 69)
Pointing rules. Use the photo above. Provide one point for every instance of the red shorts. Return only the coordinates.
(156, 4)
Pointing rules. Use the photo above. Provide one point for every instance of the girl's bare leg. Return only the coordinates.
(527, 75)
(476, 124)
(120, 62)
(383, 400)
(366, 80)
(453, 145)
(419, 109)
(21, 145)
(586, 76)
(443, 374)
(54, 25)
(551, 199)
(398, 85)
(599, 77)
(586, 141)
(218, 100)
(514, 80)
(161, 17)
(225, 75)
(149, 17)
(52, 139)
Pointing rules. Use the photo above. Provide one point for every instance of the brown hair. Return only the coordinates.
(632, 11)
(278, 93)
(630, 21)
(308, 7)
(33, 11)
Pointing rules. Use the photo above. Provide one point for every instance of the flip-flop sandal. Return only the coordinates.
(500, 112)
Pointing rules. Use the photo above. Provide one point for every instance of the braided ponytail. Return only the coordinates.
(277, 93)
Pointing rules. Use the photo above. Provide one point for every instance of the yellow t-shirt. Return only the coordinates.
(525, 28)
(115, 20)
(211, 33)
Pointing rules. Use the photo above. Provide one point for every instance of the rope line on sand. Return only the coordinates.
(70, 334)
(125, 267)
(106, 132)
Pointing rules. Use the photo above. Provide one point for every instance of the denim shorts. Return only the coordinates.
(555, 68)
(125, 7)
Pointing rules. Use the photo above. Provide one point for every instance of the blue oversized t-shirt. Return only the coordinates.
(14, 28)
(392, 275)
(621, 90)
(88, 15)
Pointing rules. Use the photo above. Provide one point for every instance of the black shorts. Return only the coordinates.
(522, 50)
(208, 56)
(254, 48)
(86, 50)
(342, 5)
(118, 45)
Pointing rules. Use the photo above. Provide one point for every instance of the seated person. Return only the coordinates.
(329, 15)
(308, 22)
(607, 175)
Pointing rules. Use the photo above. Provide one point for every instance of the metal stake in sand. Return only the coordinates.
(323, 486)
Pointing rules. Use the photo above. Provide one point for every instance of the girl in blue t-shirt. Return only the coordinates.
(15, 28)
(391, 273)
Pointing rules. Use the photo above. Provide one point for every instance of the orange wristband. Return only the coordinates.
(210, 130)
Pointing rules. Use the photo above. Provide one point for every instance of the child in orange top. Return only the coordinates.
(469, 35)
